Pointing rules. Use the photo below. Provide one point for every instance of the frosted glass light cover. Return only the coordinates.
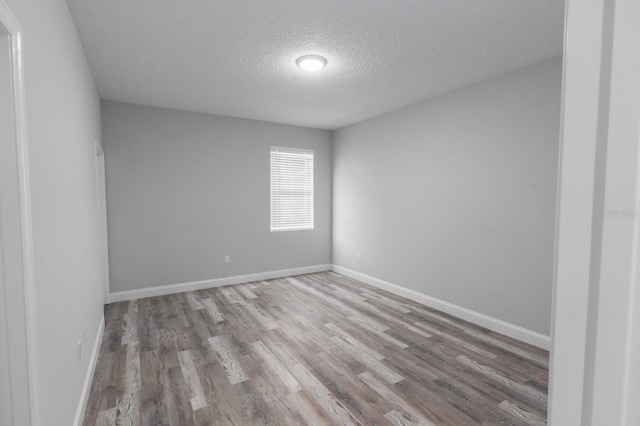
(311, 62)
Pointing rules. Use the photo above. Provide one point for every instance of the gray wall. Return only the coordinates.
(185, 189)
(455, 197)
(63, 120)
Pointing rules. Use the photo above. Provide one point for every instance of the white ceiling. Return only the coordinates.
(237, 57)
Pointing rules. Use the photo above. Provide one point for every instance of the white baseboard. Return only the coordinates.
(503, 327)
(494, 324)
(86, 388)
(218, 282)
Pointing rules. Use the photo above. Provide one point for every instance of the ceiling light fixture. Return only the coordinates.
(311, 62)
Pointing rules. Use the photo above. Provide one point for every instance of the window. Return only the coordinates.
(291, 189)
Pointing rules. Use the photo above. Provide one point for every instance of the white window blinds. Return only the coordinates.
(291, 189)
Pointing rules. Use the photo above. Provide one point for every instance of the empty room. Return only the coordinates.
(301, 212)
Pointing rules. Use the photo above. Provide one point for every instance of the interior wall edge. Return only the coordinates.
(516, 332)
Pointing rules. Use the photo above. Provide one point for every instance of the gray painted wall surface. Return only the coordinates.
(455, 197)
(63, 120)
(185, 189)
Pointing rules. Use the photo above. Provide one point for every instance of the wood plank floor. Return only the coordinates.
(313, 349)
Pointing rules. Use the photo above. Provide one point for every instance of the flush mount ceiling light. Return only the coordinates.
(311, 62)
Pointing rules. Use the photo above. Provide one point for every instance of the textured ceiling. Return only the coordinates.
(237, 57)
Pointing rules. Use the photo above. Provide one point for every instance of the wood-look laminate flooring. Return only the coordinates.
(312, 349)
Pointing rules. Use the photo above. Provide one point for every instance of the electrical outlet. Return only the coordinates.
(84, 335)
(359, 255)
(79, 348)
(227, 258)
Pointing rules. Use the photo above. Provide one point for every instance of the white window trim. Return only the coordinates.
(276, 225)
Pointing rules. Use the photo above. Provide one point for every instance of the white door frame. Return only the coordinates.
(23, 311)
(99, 164)
(596, 324)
